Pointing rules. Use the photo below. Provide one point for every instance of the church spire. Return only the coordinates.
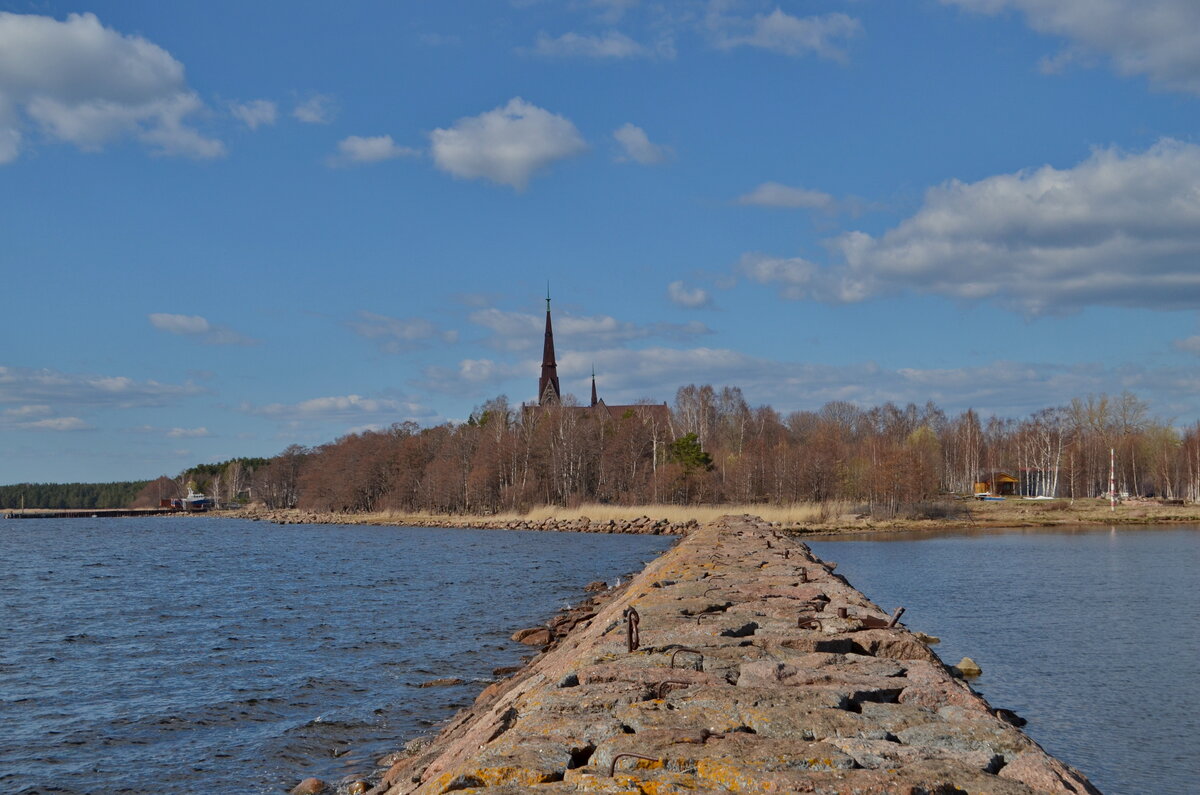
(548, 384)
(594, 399)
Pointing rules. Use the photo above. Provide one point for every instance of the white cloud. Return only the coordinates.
(179, 324)
(612, 44)
(610, 11)
(517, 331)
(188, 433)
(55, 424)
(794, 275)
(637, 146)
(343, 408)
(317, 109)
(1188, 345)
(23, 412)
(197, 326)
(1156, 38)
(506, 145)
(357, 149)
(24, 387)
(255, 113)
(1118, 229)
(89, 85)
(773, 194)
(782, 33)
(689, 297)
(396, 335)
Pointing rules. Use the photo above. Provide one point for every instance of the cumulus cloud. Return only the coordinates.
(506, 145)
(636, 146)
(1188, 345)
(396, 335)
(255, 113)
(1119, 229)
(1156, 38)
(55, 424)
(80, 82)
(357, 149)
(779, 32)
(517, 331)
(317, 109)
(609, 45)
(24, 412)
(188, 433)
(32, 391)
(341, 409)
(1006, 388)
(688, 297)
(199, 327)
(773, 194)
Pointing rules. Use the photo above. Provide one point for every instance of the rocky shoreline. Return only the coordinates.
(736, 661)
(646, 519)
(641, 525)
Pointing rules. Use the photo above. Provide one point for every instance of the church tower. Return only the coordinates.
(548, 392)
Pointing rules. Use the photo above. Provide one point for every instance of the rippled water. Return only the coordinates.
(194, 654)
(1091, 635)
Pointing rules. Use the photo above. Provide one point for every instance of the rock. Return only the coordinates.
(596, 585)
(358, 788)
(1045, 774)
(309, 786)
(446, 682)
(968, 667)
(520, 635)
(539, 636)
(506, 670)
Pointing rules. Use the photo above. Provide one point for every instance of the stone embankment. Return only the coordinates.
(736, 662)
(643, 525)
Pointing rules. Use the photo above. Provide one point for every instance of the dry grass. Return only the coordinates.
(795, 514)
(817, 517)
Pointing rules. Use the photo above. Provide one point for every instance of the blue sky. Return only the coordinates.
(228, 227)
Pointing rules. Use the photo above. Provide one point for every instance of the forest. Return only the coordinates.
(716, 448)
(70, 495)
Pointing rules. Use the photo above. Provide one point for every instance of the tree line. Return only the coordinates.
(70, 495)
(228, 483)
(713, 447)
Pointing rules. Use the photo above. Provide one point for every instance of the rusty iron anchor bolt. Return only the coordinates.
(803, 575)
(632, 636)
(690, 651)
(896, 617)
(612, 768)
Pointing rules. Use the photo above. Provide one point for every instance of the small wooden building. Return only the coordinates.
(1001, 484)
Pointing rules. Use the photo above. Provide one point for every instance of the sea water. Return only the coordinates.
(190, 654)
(1092, 635)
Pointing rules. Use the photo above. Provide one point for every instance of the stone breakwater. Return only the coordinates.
(755, 669)
(643, 525)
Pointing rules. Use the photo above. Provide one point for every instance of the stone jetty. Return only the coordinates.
(736, 662)
(640, 525)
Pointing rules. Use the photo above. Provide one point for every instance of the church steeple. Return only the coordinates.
(594, 399)
(548, 391)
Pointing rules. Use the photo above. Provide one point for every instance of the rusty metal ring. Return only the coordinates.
(612, 768)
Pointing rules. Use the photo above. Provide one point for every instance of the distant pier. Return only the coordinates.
(86, 513)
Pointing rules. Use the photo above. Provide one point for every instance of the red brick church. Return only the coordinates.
(549, 393)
